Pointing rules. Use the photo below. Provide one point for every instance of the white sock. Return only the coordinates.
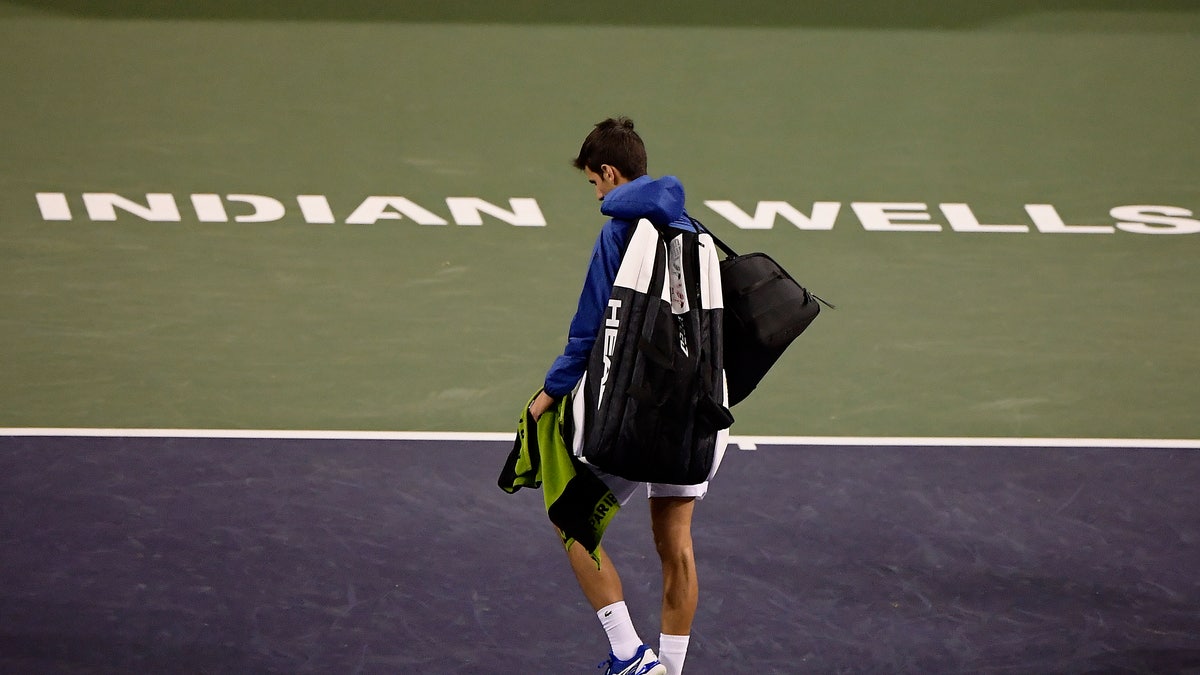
(621, 634)
(672, 650)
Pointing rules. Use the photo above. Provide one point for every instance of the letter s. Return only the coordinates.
(1150, 219)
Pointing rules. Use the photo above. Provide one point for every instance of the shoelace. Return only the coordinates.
(609, 664)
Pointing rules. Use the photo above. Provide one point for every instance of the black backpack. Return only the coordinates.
(765, 310)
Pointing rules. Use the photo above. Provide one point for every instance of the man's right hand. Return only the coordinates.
(541, 403)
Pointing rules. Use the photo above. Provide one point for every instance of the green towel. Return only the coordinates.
(578, 503)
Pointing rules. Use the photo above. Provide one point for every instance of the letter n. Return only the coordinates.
(525, 211)
(160, 206)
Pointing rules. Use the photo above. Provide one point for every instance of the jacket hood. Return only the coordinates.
(659, 200)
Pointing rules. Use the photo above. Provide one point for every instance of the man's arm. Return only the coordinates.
(569, 367)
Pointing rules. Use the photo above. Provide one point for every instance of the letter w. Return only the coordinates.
(823, 215)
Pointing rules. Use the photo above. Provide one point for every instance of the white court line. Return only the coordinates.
(750, 442)
(263, 434)
(742, 442)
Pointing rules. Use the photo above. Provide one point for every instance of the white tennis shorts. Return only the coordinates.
(624, 489)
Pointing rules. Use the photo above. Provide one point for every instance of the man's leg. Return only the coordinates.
(602, 588)
(671, 520)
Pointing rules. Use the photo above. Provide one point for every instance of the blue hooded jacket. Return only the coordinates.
(658, 200)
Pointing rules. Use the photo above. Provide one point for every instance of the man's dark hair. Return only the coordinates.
(613, 142)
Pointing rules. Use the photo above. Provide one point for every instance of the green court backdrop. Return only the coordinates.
(396, 325)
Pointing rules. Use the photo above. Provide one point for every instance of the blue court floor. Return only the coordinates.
(161, 555)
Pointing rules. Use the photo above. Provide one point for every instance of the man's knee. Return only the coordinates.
(676, 555)
(674, 546)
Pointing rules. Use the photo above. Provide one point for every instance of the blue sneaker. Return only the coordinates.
(644, 662)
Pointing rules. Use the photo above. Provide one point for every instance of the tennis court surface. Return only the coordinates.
(319, 556)
(358, 218)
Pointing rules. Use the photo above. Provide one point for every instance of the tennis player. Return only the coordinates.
(613, 158)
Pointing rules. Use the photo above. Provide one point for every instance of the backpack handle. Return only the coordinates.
(729, 252)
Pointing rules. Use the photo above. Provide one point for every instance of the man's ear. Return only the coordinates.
(611, 173)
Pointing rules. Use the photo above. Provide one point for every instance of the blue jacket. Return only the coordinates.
(658, 200)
